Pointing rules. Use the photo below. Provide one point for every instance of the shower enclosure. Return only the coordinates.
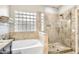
(65, 26)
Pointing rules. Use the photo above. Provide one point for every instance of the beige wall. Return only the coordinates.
(50, 18)
(26, 8)
(50, 27)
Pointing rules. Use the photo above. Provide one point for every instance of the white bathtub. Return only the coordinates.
(32, 46)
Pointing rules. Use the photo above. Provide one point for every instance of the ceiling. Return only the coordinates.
(55, 6)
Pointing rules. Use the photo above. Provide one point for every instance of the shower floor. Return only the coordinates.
(58, 48)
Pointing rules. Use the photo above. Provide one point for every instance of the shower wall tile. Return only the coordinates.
(67, 31)
(50, 27)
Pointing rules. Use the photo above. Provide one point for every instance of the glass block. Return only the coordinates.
(42, 14)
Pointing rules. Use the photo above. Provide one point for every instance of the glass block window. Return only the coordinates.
(25, 21)
(42, 21)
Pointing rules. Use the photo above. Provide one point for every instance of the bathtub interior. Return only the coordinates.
(23, 43)
(33, 46)
(35, 50)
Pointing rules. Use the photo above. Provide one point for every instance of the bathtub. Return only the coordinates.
(32, 46)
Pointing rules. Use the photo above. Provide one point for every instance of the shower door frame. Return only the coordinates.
(76, 26)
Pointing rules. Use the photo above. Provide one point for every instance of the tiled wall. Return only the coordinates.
(62, 29)
(67, 28)
(26, 8)
(50, 27)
